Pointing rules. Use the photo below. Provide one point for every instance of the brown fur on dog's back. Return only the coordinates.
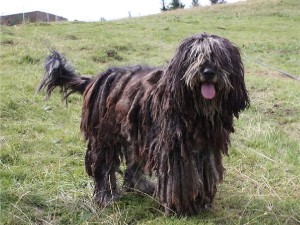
(113, 106)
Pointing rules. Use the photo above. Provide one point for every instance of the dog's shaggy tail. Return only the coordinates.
(59, 74)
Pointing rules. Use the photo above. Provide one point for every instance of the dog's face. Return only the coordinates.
(211, 67)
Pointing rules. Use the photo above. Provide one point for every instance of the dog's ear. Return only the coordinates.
(238, 98)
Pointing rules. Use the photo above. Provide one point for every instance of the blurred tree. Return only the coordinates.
(217, 1)
(164, 7)
(195, 3)
(175, 4)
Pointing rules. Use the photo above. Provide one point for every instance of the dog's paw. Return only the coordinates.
(106, 198)
(141, 185)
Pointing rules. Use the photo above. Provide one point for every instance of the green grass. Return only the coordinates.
(43, 180)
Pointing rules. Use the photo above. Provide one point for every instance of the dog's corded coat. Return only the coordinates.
(173, 122)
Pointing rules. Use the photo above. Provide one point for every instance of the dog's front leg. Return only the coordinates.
(179, 185)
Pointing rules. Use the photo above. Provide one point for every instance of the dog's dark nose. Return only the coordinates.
(208, 73)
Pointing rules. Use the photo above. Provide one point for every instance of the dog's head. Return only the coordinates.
(212, 68)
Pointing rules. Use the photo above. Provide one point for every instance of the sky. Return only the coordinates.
(89, 10)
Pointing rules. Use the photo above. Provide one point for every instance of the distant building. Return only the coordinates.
(29, 17)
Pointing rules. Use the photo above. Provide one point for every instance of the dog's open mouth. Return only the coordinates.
(208, 90)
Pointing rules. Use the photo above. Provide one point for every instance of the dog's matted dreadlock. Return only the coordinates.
(172, 122)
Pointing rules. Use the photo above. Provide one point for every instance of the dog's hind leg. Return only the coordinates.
(101, 164)
(105, 190)
(136, 180)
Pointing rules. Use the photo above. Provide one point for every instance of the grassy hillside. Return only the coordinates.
(43, 180)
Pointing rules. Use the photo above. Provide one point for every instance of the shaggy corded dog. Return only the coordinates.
(173, 122)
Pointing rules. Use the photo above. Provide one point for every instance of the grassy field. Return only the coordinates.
(43, 180)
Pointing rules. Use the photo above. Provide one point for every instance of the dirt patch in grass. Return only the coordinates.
(107, 56)
(7, 42)
(71, 37)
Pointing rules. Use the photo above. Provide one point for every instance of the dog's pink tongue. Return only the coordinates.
(208, 90)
